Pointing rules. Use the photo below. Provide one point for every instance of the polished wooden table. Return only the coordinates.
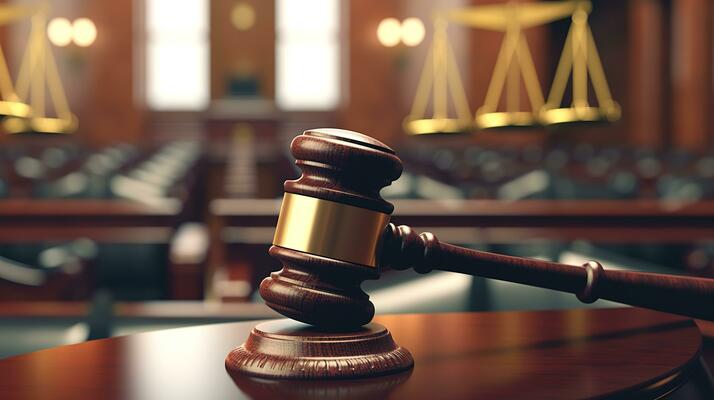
(627, 352)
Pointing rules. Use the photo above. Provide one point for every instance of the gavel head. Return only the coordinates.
(330, 228)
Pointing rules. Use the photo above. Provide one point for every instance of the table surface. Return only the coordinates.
(547, 354)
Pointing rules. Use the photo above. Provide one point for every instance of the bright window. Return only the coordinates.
(177, 54)
(307, 54)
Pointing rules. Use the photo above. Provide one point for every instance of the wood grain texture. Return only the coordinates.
(318, 290)
(344, 166)
(691, 72)
(286, 349)
(536, 355)
(346, 389)
(405, 248)
(647, 75)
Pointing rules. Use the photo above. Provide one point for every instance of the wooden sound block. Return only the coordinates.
(287, 349)
(379, 387)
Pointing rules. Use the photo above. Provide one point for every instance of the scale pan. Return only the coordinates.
(578, 115)
(506, 120)
(429, 126)
(40, 125)
(14, 109)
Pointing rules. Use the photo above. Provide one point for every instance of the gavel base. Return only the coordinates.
(286, 349)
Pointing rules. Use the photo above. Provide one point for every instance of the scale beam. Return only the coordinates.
(18, 12)
(497, 17)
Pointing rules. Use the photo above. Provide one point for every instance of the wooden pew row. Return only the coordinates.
(131, 203)
(582, 171)
(64, 272)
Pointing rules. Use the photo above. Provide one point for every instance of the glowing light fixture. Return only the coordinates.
(412, 31)
(84, 32)
(389, 32)
(59, 31)
(243, 16)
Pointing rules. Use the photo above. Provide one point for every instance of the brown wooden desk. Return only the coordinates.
(632, 353)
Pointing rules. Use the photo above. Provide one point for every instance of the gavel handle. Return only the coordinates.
(693, 297)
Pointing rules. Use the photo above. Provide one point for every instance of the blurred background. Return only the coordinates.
(145, 144)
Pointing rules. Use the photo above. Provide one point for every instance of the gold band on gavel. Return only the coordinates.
(329, 229)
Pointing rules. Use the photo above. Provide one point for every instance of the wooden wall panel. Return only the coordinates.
(647, 117)
(374, 105)
(691, 78)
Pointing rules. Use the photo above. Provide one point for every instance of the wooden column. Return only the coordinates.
(691, 65)
(107, 108)
(646, 102)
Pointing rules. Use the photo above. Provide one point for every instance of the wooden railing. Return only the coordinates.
(621, 221)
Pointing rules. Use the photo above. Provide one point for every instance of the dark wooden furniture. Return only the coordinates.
(111, 221)
(68, 279)
(625, 353)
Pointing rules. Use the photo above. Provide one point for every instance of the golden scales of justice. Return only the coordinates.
(440, 76)
(23, 105)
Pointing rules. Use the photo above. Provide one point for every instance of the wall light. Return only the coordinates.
(59, 31)
(84, 32)
(412, 31)
(243, 16)
(389, 32)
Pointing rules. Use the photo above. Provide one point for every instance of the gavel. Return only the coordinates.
(333, 233)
